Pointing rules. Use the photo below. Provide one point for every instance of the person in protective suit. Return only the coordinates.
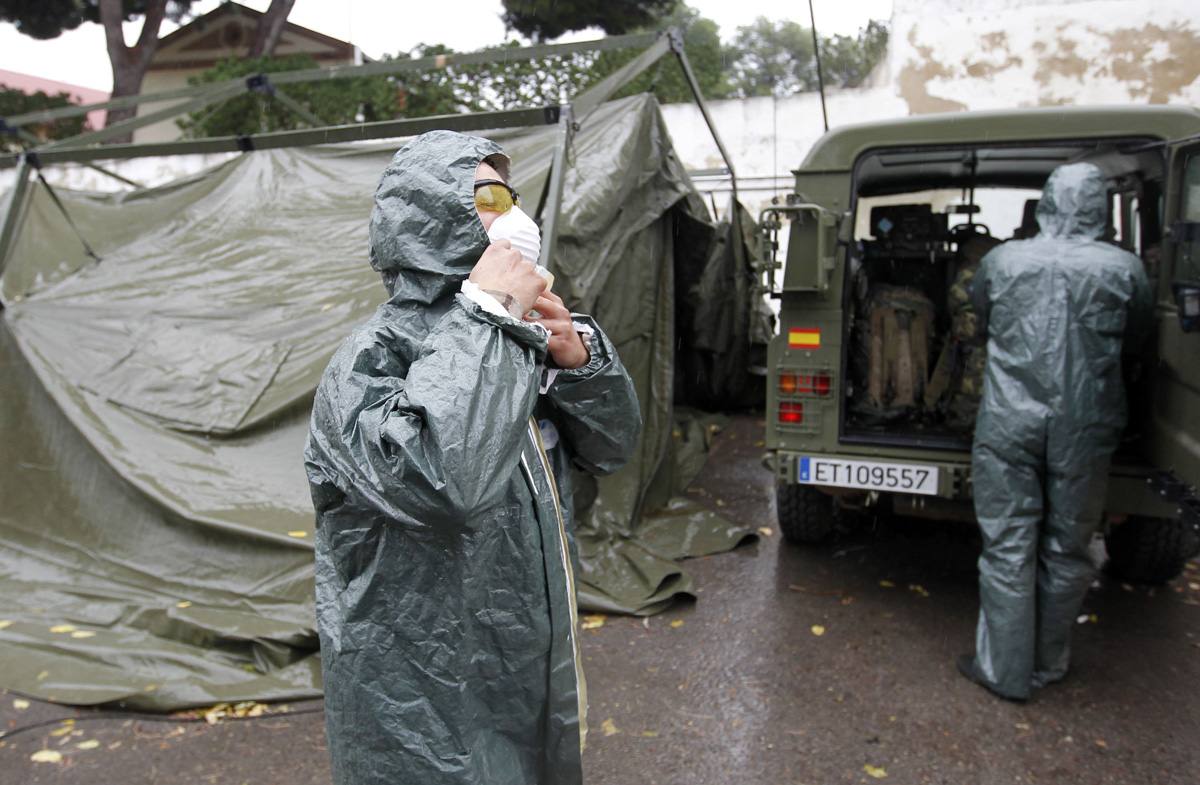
(442, 436)
(1056, 310)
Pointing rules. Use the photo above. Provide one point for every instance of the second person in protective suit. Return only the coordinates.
(1057, 310)
(438, 460)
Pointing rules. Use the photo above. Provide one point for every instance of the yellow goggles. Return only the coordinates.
(495, 196)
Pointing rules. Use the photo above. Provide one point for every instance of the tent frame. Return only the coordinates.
(86, 149)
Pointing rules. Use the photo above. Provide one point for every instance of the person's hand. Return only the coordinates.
(501, 269)
(567, 348)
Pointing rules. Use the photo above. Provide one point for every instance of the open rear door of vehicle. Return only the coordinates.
(1174, 434)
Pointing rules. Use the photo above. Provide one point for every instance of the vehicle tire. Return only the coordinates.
(1150, 550)
(805, 514)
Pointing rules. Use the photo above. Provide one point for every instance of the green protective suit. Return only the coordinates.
(1057, 310)
(445, 589)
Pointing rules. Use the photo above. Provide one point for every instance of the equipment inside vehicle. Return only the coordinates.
(913, 367)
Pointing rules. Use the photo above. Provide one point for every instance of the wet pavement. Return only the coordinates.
(829, 664)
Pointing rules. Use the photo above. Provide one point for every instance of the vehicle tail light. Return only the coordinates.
(822, 384)
(787, 383)
(791, 412)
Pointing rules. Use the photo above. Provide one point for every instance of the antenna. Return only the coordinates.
(817, 53)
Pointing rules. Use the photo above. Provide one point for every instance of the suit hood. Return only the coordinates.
(425, 234)
(1074, 203)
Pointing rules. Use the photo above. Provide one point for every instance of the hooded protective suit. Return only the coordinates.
(1057, 309)
(445, 592)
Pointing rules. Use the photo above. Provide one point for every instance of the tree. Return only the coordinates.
(546, 19)
(776, 58)
(848, 60)
(14, 102)
(701, 43)
(270, 27)
(44, 19)
(772, 58)
(334, 103)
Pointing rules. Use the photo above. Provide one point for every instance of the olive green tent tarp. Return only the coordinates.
(155, 523)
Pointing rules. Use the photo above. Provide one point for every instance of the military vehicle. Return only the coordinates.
(872, 389)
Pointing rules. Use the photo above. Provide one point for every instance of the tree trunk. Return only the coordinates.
(129, 63)
(270, 27)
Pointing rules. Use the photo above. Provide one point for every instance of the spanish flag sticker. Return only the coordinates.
(804, 339)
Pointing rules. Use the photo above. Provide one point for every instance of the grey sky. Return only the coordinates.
(388, 26)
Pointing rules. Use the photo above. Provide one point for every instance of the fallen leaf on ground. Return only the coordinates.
(63, 731)
(650, 734)
(1102, 744)
(593, 622)
(887, 584)
(4, 623)
(43, 675)
(677, 623)
(20, 703)
(720, 502)
(818, 630)
(847, 600)
(878, 772)
(216, 713)
(1022, 726)
(46, 756)
(766, 531)
(609, 728)
(90, 744)
(646, 622)
(298, 533)
(918, 589)
(83, 634)
(183, 604)
(62, 628)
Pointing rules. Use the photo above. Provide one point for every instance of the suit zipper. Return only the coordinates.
(581, 688)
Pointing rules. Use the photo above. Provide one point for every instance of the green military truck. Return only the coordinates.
(873, 387)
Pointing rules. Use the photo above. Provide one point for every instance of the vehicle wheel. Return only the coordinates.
(1150, 550)
(805, 514)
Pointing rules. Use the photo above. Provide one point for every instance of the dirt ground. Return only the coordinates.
(831, 664)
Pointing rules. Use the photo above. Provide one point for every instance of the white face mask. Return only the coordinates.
(520, 230)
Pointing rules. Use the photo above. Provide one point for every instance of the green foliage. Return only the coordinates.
(772, 58)
(14, 102)
(44, 19)
(848, 60)
(766, 58)
(701, 42)
(776, 58)
(546, 19)
(334, 102)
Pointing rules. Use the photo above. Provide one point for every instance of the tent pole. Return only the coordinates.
(12, 216)
(273, 140)
(676, 41)
(558, 169)
(383, 68)
(587, 101)
(298, 109)
(108, 132)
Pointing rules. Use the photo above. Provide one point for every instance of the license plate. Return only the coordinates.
(840, 473)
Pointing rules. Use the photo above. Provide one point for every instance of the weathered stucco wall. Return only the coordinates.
(948, 55)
